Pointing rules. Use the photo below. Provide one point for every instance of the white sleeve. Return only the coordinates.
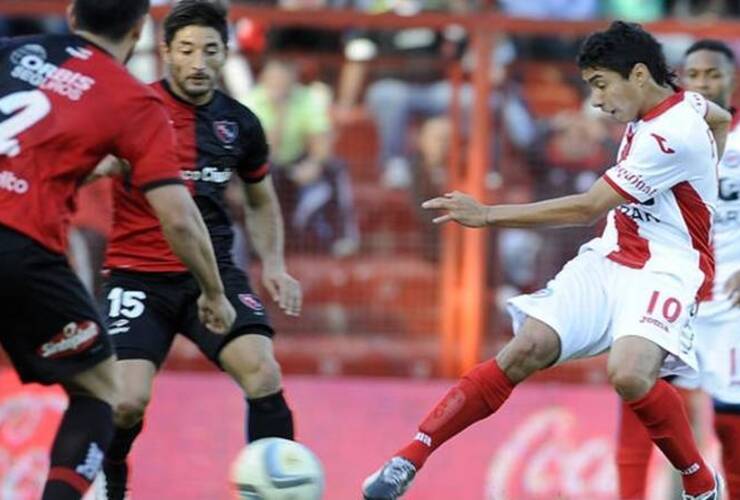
(653, 165)
(697, 102)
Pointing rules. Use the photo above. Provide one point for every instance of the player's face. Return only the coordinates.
(194, 59)
(711, 74)
(610, 92)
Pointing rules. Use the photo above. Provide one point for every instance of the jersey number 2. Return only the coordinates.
(30, 107)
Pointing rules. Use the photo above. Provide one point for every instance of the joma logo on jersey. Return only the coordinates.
(74, 338)
(31, 67)
(207, 174)
(655, 322)
(9, 182)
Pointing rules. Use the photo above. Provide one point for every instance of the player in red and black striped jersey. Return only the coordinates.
(65, 103)
(216, 140)
(150, 293)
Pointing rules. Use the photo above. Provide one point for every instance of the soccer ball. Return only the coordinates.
(277, 469)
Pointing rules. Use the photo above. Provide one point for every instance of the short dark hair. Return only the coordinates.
(112, 19)
(713, 46)
(622, 46)
(196, 13)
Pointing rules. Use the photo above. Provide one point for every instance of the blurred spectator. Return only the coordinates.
(395, 100)
(574, 151)
(518, 249)
(429, 170)
(549, 47)
(708, 9)
(313, 186)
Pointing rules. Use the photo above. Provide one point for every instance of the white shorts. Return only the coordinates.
(593, 301)
(717, 327)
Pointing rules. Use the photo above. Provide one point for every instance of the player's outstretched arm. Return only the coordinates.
(266, 231)
(576, 210)
(187, 234)
(719, 120)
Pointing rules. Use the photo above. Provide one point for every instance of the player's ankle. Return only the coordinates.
(415, 452)
(700, 481)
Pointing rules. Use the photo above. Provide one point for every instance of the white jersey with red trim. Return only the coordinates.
(667, 168)
(727, 217)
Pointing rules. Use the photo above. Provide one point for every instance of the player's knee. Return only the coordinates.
(523, 356)
(630, 385)
(262, 381)
(130, 409)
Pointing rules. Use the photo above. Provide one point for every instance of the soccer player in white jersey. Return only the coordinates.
(709, 69)
(633, 290)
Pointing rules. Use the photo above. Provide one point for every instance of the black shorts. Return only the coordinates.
(51, 329)
(146, 310)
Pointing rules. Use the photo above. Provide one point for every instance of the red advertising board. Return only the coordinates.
(549, 441)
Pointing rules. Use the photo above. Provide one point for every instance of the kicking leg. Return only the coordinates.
(476, 396)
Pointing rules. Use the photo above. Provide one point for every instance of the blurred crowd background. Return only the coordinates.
(367, 122)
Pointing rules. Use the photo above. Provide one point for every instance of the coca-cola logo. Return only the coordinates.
(28, 419)
(544, 458)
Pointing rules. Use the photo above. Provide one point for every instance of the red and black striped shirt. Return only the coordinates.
(214, 141)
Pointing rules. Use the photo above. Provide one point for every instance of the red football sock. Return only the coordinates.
(727, 427)
(662, 412)
(634, 448)
(477, 395)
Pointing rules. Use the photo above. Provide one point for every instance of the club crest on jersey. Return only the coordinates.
(251, 301)
(226, 131)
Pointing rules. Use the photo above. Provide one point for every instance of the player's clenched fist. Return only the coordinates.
(216, 313)
(460, 207)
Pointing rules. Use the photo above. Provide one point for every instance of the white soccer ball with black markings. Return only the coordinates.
(277, 469)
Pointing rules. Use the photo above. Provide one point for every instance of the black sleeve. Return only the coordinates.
(253, 166)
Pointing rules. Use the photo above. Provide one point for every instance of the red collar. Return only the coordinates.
(663, 106)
